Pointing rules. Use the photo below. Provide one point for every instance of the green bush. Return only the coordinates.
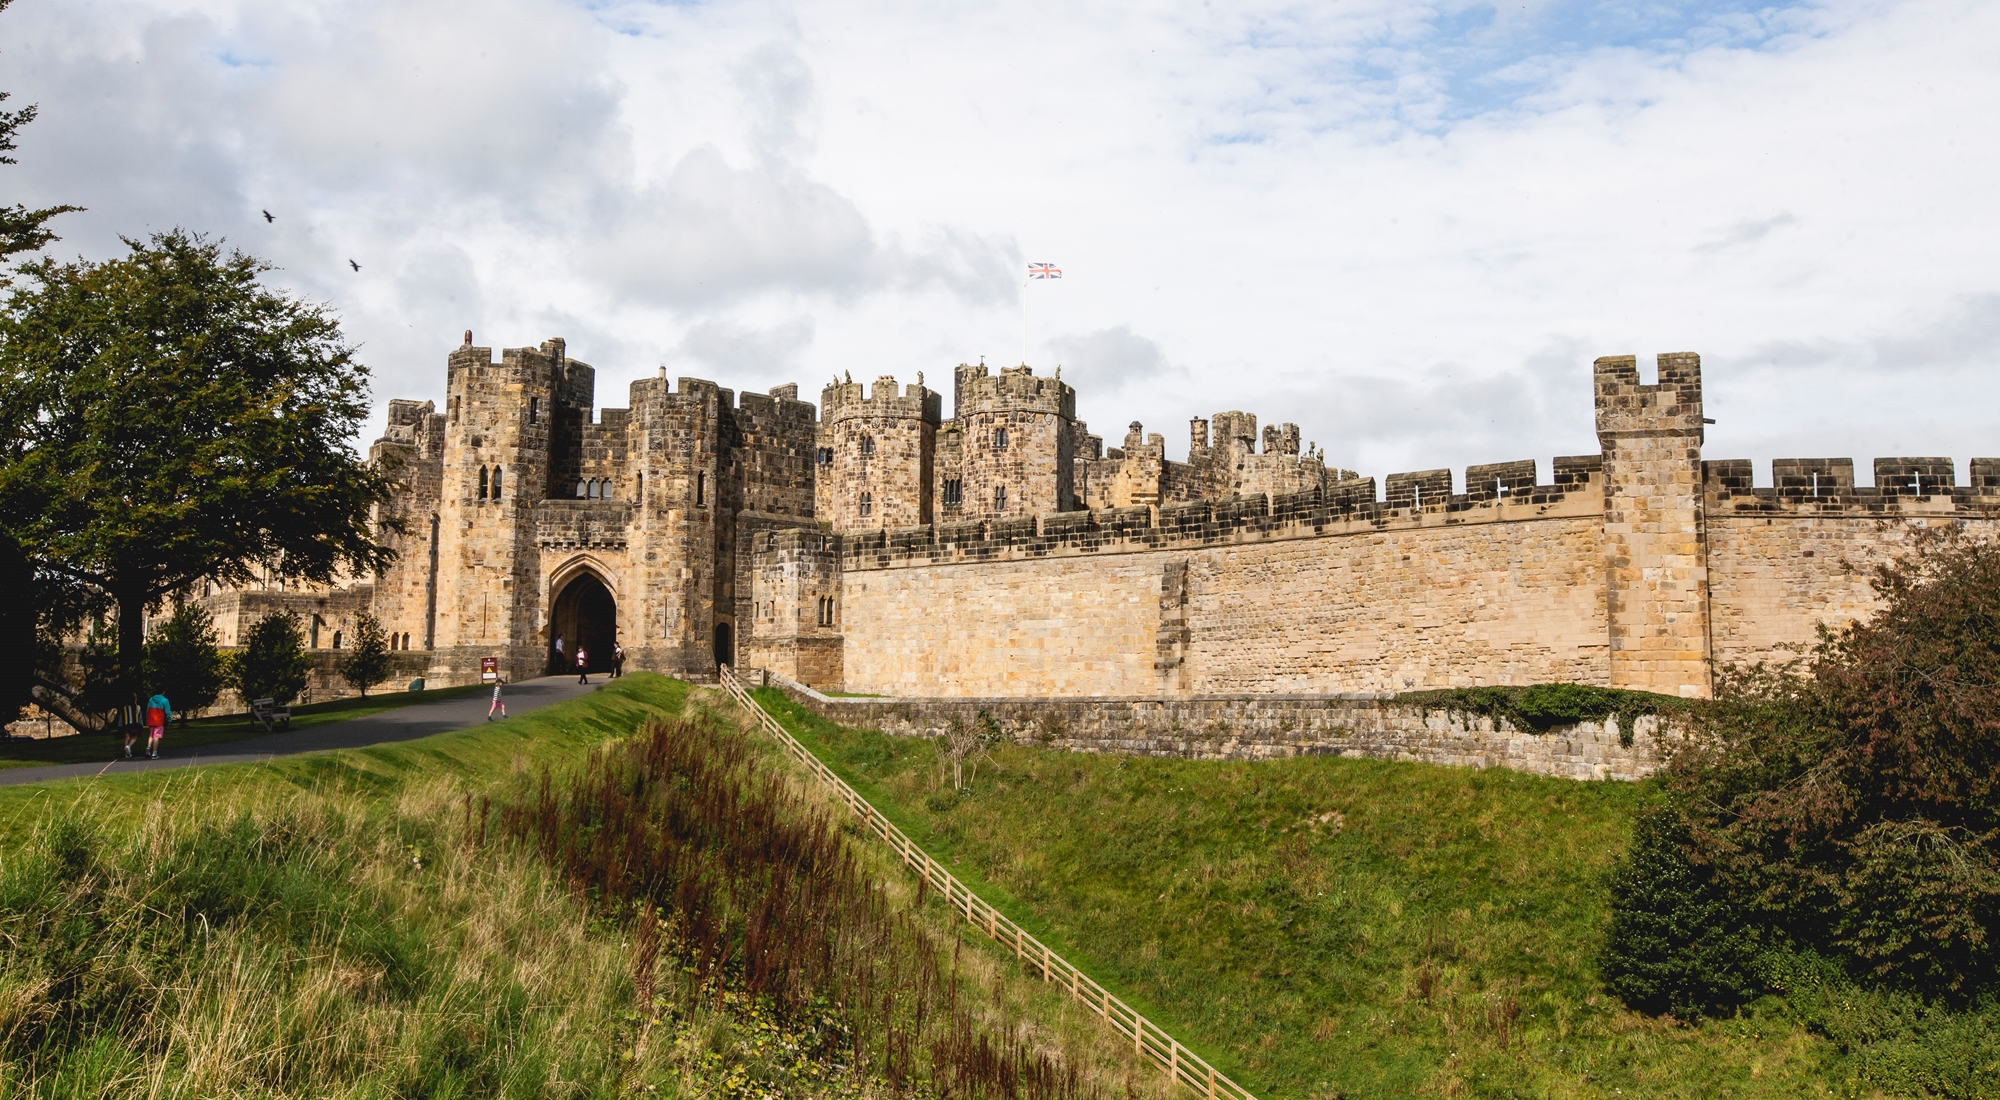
(1677, 944)
(273, 663)
(367, 662)
(1542, 707)
(1847, 806)
(182, 661)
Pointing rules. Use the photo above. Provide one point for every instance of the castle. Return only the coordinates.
(875, 545)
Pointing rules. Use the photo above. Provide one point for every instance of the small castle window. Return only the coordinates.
(999, 439)
(999, 498)
(826, 456)
(867, 445)
(482, 483)
(954, 492)
(315, 631)
(582, 489)
(336, 639)
(700, 487)
(604, 489)
(639, 487)
(534, 410)
(496, 483)
(867, 504)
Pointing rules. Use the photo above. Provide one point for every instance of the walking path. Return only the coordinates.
(402, 724)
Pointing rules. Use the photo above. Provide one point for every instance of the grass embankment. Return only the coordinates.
(81, 748)
(366, 923)
(1355, 928)
(308, 926)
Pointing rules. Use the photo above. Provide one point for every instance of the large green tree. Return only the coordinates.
(165, 418)
(21, 229)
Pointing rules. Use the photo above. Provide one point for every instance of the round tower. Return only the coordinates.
(874, 455)
(1019, 442)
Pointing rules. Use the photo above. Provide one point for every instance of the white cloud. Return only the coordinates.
(1408, 227)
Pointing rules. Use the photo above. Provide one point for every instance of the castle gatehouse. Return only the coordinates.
(876, 545)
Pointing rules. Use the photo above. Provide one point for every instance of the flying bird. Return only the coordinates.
(354, 265)
(268, 217)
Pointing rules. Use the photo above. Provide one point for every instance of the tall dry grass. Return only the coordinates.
(354, 938)
(741, 884)
(328, 947)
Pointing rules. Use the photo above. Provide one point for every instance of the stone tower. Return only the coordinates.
(683, 592)
(1655, 546)
(1018, 442)
(499, 423)
(405, 597)
(875, 455)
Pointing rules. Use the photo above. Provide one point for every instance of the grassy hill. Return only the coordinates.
(1355, 928)
(346, 924)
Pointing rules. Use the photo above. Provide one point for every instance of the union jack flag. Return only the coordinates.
(1044, 271)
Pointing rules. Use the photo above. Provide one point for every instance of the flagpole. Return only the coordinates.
(1024, 319)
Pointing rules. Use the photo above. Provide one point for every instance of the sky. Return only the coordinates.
(1408, 227)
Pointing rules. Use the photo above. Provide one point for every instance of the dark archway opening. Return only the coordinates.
(585, 616)
(725, 652)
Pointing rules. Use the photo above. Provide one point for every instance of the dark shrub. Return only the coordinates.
(273, 663)
(1847, 806)
(1677, 944)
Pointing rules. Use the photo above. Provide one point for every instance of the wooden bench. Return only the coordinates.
(270, 714)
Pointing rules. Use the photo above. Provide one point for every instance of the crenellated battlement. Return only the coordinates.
(1627, 406)
(1014, 389)
(849, 400)
(1344, 507)
(1825, 487)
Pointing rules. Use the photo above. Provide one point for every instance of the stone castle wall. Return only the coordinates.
(1640, 567)
(1313, 596)
(1266, 727)
(733, 530)
(1784, 559)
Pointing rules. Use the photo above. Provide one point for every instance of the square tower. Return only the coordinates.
(1655, 542)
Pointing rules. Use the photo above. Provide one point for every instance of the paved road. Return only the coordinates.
(402, 724)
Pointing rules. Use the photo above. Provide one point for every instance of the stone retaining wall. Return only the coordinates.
(1261, 727)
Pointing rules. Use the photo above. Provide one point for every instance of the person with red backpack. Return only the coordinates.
(158, 713)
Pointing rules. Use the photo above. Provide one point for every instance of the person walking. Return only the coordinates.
(128, 721)
(617, 660)
(158, 713)
(582, 666)
(499, 704)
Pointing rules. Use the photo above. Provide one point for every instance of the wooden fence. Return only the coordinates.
(1147, 1038)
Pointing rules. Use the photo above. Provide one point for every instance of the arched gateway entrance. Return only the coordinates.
(584, 615)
